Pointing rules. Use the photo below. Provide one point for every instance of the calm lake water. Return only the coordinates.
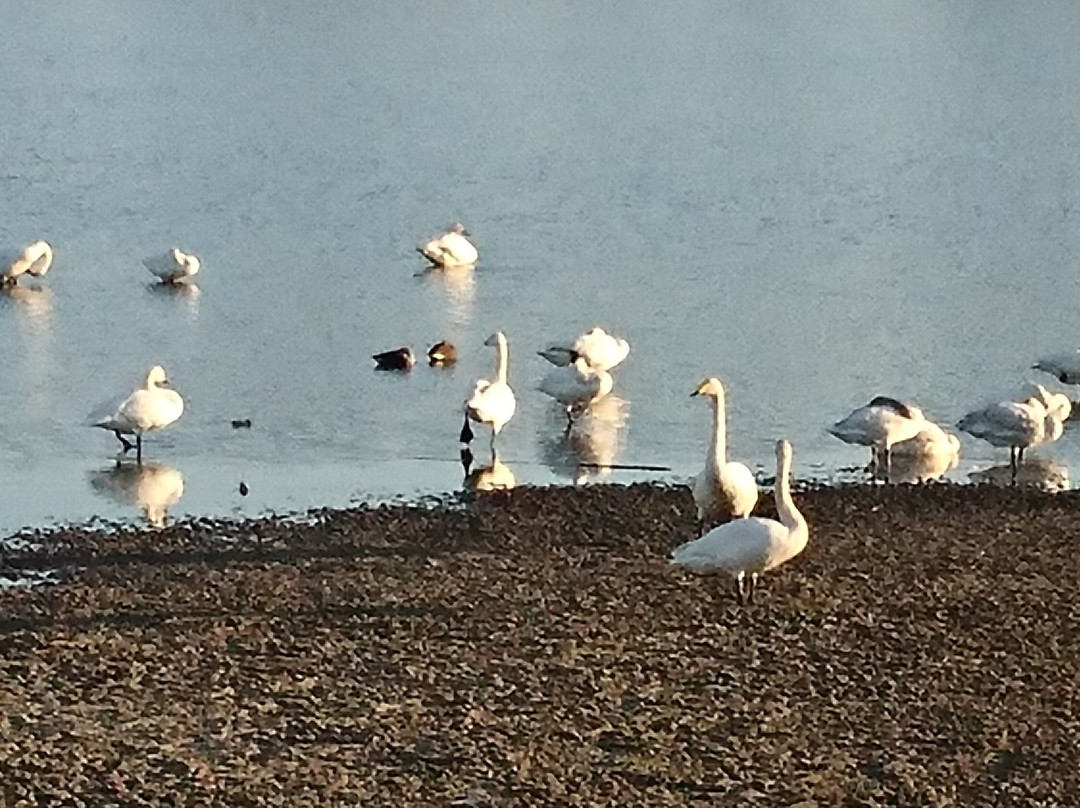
(817, 202)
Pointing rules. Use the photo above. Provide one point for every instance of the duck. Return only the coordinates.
(175, 266)
(601, 350)
(1018, 425)
(1065, 366)
(723, 490)
(442, 353)
(492, 401)
(576, 386)
(33, 259)
(746, 548)
(880, 425)
(151, 406)
(397, 359)
(451, 249)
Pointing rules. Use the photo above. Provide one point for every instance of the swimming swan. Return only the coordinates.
(491, 402)
(599, 349)
(451, 249)
(174, 266)
(748, 547)
(576, 386)
(1016, 424)
(722, 490)
(880, 425)
(151, 406)
(33, 259)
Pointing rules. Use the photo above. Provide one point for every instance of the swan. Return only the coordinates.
(1016, 424)
(1065, 366)
(451, 249)
(1055, 403)
(722, 490)
(576, 386)
(152, 487)
(175, 266)
(442, 353)
(749, 547)
(599, 349)
(927, 456)
(397, 359)
(491, 402)
(880, 425)
(33, 259)
(931, 439)
(151, 406)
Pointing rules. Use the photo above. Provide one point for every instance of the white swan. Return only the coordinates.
(33, 259)
(576, 386)
(151, 406)
(152, 487)
(451, 249)
(880, 425)
(1065, 366)
(174, 266)
(491, 402)
(931, 439)
(927, 456)
(599, 349)
(1057, 404)
(748, 547)
(1016, 424)
(722, 490)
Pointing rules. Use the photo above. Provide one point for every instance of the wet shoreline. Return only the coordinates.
(534, 647)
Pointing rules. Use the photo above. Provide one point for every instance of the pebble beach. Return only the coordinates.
(534, 647)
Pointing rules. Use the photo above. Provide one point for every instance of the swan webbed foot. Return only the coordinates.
(128, 445)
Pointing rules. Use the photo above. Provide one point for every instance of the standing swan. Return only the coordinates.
(751, 546)
(450, 250)
(576, 386)
(491, 402)
(1016, 424)
(151, 406)
(33, 259)
(722, 490)
(174, 266)
(880, 424)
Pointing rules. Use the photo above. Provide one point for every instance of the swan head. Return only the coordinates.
(156, 377)
(496, 339)
(459, 228)
(710, 387)
(783, 452)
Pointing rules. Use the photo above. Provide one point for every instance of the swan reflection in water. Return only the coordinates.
(187, 293)
(589, 450)
(459, 285)
(36, 301)
(496, 476)
(152, 487)
(1033, 472)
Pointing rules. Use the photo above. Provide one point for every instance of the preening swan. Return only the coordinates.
(450, 249)
(924, 457)
(1016, 424)
(722, 490)
(151, 406)
(442, 353)
(880, 425)
(174, 266)
(599, 349)
(745, 548)
(1057, 404)
(576, 386)
(397, 359)
(492, 402)
(1065, 366)
(33, 259)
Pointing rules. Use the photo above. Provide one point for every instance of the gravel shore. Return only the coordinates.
(534, 647)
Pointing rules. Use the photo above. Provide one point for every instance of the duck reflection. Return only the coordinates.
(459, 285)
(1033, 472)
(492, 477)
(590, 448)
(152, 487)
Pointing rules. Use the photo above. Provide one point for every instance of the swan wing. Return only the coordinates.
(745, 545)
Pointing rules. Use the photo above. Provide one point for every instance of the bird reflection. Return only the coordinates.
(1033, 472)
(493, 477)
(152, 487)
(187, 293)
(588, 450)
(36, 301)
(459, 285)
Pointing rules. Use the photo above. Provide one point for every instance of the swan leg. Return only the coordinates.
(740, 579)
(138, 449)
(1013, 462)
(466, 435)
(751, 586)
(123, 442)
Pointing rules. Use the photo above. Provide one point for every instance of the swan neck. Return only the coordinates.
(718, 447)
(501, 359)
(785, 505)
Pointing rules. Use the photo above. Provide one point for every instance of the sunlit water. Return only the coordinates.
(817, 202)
